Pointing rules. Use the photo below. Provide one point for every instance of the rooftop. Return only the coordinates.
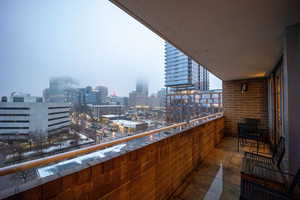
(127, 123)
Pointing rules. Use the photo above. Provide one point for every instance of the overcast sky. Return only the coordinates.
(92, 41)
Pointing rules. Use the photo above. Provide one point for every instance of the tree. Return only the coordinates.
(38, 139)
(18, 151)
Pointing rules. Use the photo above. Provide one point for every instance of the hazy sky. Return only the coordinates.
(92, 41)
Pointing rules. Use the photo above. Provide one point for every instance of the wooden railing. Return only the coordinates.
(67, 155)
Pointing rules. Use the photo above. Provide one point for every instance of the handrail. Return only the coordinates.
(67, 155)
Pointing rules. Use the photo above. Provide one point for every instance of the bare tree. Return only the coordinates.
(39, 139)
(18, 151)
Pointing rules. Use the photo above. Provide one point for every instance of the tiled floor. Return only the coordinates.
(218, 176)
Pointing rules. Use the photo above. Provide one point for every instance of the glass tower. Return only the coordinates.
(183, 72)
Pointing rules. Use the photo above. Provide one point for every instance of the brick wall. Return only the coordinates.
(250, 104)
(151, 172)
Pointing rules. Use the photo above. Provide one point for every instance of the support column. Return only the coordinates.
(291, 99)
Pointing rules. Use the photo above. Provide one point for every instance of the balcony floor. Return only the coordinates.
(218, 176)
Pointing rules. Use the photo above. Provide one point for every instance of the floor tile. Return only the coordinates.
(218, 176)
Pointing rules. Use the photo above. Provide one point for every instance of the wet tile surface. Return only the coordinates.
(218, 176)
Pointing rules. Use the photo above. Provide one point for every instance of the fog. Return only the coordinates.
(92, 41)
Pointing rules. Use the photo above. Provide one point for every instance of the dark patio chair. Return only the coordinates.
(271, 191)
(268, 161)
(248, 130)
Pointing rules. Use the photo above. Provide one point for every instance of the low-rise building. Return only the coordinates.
(99, 110)
(126, 126)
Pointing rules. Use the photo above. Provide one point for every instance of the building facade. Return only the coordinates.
(99, 110)
(59, 89)
(126, 126)
(26, 118)
(101, 93)
(182, 71)
(184, 79)
(139, 97)
(96, 96)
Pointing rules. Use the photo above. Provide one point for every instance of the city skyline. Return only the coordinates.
(88, 49)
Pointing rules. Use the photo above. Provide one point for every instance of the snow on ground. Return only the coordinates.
(57, 146)
(83, 137)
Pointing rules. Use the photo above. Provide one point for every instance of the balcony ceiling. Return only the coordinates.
(234, 39)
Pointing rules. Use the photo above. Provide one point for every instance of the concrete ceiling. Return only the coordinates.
(234, 39)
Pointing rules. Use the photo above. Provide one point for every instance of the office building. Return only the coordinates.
(25, 118)
(96, 96)
(139, 97)
(132, 98)
(101, 94)
(56, 93)
(23, 97)
(99, 110)
(142, 87)
(161, 94)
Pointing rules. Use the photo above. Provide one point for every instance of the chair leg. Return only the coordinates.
(238, 144)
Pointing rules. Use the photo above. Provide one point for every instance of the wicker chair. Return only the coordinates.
(270, 191)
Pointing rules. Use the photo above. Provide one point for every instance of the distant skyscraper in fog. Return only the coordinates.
(142, 87)
(59, 89)
(140, 95)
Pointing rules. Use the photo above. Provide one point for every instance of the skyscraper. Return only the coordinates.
(142, 86)
(101, 92)
(140, 95)
(181, 71)
(56, 93)
(184, 79)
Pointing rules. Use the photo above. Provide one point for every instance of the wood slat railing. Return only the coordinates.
(67, 155)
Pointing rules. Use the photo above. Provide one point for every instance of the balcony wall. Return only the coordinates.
(251, 104)
(150, 172)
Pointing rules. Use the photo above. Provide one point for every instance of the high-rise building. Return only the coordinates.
(184, 79)
(56, 93)
(140, 95)
(132, 98)
(142, 87)
(182, 71)
(161, 94)
(87, 96)
(96, 96)
(101, 93)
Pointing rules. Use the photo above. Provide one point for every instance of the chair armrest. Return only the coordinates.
(262, 154)
(257, 190)
(278, 171)
(256, 156)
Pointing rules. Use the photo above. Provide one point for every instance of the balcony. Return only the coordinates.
(148, 167)
(258, 60)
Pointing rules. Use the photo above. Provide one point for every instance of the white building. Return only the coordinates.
(23, 118)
